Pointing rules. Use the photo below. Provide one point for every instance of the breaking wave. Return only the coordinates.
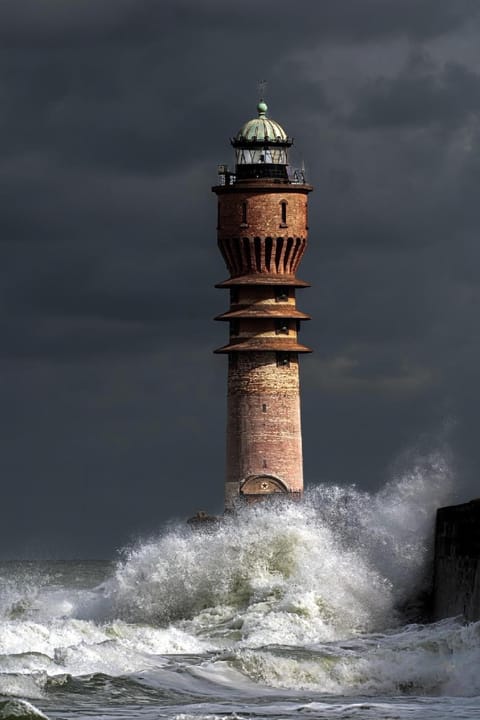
(317, 596)
(339, 563)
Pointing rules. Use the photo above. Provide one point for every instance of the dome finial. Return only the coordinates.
(262, 108)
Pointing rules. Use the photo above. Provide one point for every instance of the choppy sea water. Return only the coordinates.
(299, 610)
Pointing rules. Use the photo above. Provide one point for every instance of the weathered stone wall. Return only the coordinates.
(263, 421)
(263, 229)
(457, 562)
(261, 209)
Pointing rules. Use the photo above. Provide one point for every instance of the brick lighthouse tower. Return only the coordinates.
(262, 235)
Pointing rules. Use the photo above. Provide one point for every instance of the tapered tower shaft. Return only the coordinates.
(262, 235)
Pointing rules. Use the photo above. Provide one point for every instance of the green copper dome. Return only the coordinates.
(261, 128)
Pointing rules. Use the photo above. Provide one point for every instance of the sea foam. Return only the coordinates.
(339, 563)
(306, 595)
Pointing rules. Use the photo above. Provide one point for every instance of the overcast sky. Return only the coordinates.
(114, 115)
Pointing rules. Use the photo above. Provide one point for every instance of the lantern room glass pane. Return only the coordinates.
(261, 156)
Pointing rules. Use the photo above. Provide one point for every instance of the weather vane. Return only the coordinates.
(262, 89)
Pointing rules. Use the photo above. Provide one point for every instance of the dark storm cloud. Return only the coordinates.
(113, 117)
(421, 95)
(52, 22)
(129, 21)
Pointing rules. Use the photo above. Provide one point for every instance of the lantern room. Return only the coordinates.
(261, 148)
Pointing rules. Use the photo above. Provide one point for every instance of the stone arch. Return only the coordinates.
(262, 485)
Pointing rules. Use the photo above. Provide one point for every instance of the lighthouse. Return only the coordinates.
(262, 234)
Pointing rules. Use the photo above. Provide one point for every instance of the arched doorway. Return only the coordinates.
(257, 487)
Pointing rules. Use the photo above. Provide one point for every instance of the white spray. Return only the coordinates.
(337, 564)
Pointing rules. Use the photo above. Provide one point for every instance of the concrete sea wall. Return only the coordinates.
(456, 587)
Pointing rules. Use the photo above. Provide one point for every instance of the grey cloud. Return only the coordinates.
(113, 118)
(47, 20)
(421, 95)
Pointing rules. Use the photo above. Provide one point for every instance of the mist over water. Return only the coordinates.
(312, 598)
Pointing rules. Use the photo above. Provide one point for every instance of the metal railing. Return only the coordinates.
(296, 176)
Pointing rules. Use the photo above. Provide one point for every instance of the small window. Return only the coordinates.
(283, 206)
(281, 294)
(281, 327)
(244, 213)
(264, 407)
(283, 359)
